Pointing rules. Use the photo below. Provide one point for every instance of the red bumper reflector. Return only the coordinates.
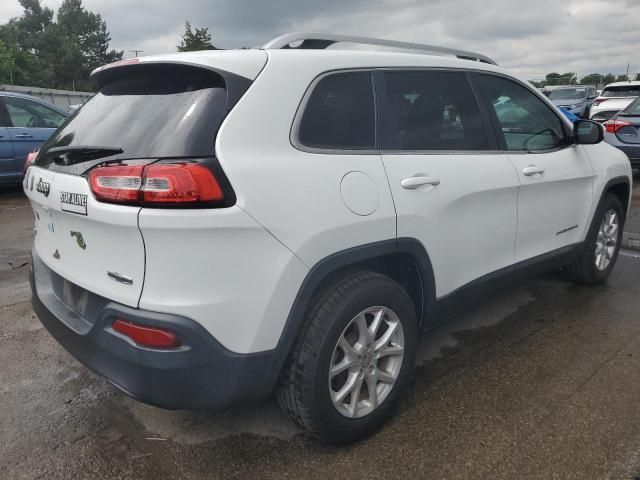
(152, 337)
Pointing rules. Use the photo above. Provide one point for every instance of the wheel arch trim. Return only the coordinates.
(613, 182)
(342, 260)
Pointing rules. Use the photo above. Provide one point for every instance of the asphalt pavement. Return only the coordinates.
(541, 381)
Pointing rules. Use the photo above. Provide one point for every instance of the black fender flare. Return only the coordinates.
(340, 261)
(621, 180)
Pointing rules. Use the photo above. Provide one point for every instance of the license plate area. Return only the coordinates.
(75, 298)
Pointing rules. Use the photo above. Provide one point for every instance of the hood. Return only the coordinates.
(563, 102)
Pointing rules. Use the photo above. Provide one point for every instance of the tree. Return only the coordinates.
(637, 79)
(200, 39)
(591, 79)
(57, 54)
(87, 30)
(6, 64)
(622, 78)
(608, 78)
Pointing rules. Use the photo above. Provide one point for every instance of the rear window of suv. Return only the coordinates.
(622, 91)
(150, 111)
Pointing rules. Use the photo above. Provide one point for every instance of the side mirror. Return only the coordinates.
(587, 132)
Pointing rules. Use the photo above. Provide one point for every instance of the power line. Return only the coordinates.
(136, 52)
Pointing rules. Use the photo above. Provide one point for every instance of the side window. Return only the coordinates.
(27, 114)
(526, 122)
(340, 113)
(5, 121)
(432, 110)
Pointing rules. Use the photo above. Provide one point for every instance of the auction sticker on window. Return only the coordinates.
(73, 202)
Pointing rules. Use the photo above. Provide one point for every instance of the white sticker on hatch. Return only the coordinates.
(73, 202)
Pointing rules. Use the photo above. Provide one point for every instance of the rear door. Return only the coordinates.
(556, 176)
(32, 123)
(7, 163)
(452, 190)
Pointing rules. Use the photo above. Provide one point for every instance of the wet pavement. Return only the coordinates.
(542, 381)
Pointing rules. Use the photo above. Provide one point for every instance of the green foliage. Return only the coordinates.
(200, 39)
(591, 79)
(6, 63)
(561, 79)
(60, 53)
(622, 78)
(608, 78)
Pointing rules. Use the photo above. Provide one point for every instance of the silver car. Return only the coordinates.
(575, 98)
(623, 131)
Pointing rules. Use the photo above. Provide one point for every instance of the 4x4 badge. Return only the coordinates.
(79, 239)
(43, 187)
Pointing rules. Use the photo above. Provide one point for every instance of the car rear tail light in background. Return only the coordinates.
(615, 124)
(156, 184)
(152, 337)
(598, 101)
(29, 161)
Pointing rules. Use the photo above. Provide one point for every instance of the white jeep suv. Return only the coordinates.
(217, 225)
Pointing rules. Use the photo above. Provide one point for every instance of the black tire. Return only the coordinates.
(584, 270)
(303, 390)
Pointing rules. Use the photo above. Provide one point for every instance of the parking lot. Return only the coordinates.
(541, 381)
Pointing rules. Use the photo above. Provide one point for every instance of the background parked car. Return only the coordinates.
(623, 132)
(614, 97)
(577, 99)
(25, 124)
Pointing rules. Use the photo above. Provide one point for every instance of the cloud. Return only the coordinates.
(532, 37)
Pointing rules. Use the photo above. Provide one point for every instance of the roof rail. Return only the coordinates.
(321, 41)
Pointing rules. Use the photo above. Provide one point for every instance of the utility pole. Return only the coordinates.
(136, 52)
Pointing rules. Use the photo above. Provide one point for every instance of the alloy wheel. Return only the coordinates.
(607, 240)
(366, 362)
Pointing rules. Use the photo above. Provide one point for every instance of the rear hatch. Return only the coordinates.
(143, 114)
(83, 240)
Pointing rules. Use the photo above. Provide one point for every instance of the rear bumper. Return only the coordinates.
(200, 375)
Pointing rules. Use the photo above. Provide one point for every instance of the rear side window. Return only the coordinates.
(151, 111)
(340, 113)
(526, 122)
(432, 111)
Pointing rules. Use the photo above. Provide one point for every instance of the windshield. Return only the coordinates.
(152, 112)
(623, 91)
(568, 94)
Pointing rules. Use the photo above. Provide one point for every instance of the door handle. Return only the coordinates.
(24, 135)
(418, 181)
(532, 170)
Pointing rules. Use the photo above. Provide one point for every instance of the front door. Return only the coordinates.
(452, 190)
(556, 176)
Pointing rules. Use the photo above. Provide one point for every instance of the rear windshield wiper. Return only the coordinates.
(70, 155)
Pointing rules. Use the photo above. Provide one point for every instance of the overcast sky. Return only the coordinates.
(532, 37)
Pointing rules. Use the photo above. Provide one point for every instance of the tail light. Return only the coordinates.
(598, 101)
(145, 336)
(615, 124)
(159, 184)
(29, 161)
